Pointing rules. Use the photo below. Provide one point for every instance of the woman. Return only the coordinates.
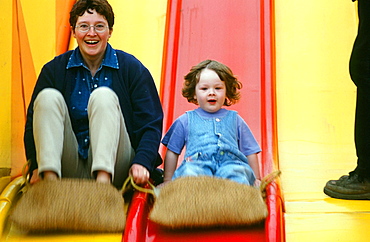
(95, 111)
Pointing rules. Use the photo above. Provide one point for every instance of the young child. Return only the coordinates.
(218, 141)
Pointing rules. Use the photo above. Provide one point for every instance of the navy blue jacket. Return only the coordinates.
(138, 98)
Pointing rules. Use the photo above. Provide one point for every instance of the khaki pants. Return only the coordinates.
(56, 144)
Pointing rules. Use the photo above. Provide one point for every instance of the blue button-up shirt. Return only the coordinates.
(85, 85)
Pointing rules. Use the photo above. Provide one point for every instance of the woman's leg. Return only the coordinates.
(109, 141)
(54, 139)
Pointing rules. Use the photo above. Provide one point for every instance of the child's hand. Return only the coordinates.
(257, 183)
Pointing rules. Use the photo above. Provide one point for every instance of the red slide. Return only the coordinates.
(239, 34)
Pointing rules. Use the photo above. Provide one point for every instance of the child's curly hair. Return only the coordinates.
(225, 74)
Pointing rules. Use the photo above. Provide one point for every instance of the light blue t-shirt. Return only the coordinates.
(176, 137)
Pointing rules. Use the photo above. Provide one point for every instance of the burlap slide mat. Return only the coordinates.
(70, 205)
(191, 202)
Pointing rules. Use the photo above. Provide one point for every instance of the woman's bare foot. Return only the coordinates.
(35, 177)
(50, 176)
(103, 177)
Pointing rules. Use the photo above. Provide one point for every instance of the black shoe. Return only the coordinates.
(349, 187)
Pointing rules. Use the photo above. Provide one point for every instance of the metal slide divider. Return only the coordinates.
(7, 197)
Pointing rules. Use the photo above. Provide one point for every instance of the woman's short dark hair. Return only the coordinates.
(102, 7)
(224, 73)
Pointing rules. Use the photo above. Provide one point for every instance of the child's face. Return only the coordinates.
(210, 91)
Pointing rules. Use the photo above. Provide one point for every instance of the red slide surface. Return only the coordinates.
(239, 34)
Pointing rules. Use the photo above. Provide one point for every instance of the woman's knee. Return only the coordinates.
(103, 96)
(48, 97)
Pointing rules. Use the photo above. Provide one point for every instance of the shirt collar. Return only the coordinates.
(110, 58)
(219, 113)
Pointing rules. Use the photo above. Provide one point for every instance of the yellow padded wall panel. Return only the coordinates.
(315, 114)
(6, 8)
(41, 29)
(139, 29)
(32, 46)
(20, 58)
(315, 95)
(63, 30)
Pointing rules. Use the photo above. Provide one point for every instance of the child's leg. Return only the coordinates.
(195, 168)
(237, 171)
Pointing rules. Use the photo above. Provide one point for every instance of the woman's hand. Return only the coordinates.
(35, 177)
(140, 174)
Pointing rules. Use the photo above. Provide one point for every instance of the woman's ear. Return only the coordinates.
(73, 31)
(110, 33)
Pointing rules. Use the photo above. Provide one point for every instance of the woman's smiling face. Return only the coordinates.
(92, 44)
(210, 91)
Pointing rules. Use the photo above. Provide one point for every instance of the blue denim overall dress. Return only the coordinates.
(212, 150)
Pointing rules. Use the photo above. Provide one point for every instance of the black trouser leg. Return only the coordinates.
(362, 130)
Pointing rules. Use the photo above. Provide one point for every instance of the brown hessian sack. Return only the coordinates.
(193, 202)
(79, 205)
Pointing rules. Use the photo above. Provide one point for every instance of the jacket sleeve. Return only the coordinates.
(47, 79)
(142, 111)
(43, 81)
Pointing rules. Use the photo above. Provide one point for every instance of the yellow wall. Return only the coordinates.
(139, 30)
(5, 90)
(315, 95)
(315, 116)
(40, 23)
(34, 38)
